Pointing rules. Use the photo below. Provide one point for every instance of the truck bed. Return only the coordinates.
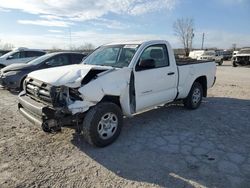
(188, 61)
(189, 70)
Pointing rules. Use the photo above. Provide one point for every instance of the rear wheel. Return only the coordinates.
(102, 124)
(194, 97)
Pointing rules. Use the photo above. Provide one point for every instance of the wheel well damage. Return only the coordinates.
(112, 99)
(108, 86)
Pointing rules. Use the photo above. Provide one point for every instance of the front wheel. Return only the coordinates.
(102, 124)
(194, 97)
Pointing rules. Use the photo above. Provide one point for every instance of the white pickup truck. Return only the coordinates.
(116, 80)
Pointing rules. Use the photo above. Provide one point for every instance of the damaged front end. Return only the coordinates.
(65, 102)
(47, 105)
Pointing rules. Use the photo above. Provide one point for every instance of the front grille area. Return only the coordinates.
(38, 90)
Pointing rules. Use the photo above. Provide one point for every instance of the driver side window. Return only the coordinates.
(157, 53)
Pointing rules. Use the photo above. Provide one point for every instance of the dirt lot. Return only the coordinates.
(169, 146)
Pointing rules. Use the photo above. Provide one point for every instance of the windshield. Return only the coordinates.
(244, 51)
(8, 54)
(118, 56)
(39, 60)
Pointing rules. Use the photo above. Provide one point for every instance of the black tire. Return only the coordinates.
(234, 64)
(93, 121)
(193, 102)
(220, 63)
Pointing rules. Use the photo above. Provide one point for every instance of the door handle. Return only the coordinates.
(171, 73)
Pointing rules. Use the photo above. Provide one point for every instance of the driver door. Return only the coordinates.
(155, 85)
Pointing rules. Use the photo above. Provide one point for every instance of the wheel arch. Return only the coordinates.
(203, 81)
(21, 82)
(112, 98)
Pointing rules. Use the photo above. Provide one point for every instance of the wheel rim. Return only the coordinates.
(107, 126)
(196, 96)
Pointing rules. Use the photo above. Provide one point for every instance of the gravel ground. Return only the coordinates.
(167, 147)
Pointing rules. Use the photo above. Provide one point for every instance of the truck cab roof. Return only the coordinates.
(138, 42)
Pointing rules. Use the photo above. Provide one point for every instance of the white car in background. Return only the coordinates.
(208, 55)
(196, 54)
(20, 55)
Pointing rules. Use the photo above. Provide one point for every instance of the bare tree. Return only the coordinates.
(184, 30)
(87, 47)
(6, 46)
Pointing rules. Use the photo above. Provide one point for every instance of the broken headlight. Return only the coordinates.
(59, 96)
(74, 94)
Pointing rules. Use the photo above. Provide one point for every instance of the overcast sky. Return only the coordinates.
(50, 23)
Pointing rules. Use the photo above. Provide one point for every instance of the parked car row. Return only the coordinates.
(211, 55)
(20, 64)
(241, 57)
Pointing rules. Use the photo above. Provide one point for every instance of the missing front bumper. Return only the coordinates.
(43, 115)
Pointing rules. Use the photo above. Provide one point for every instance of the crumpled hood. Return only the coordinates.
(70, 75)
(16, 67)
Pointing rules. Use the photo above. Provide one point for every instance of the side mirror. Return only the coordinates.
(10, 57)
(146, 64)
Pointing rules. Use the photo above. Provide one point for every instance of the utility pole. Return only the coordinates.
(234, 46)
(191, 45)
(70, 40)
(203, 38)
